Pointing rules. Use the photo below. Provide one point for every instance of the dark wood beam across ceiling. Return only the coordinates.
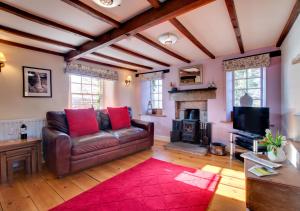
(235, 23)
(124, 50)
(290, 22)
(191, 37)
(121, 61)
(30, 47)
(143, 21)
(154, 3)
(36, 37)
(161, 48)
(42, 21)
(92, 12)
(106, 64)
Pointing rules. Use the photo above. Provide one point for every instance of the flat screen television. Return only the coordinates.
(251, 119)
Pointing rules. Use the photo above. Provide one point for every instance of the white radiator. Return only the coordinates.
(10, 129)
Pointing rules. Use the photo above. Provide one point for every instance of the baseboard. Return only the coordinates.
(162, 138)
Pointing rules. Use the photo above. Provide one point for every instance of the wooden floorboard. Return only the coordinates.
(43, 191)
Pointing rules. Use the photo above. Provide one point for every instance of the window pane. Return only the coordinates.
(254, 83)
(254, 93)
(76, 99)
(95, 90)
(75, 88)
(239, 94)
(240, 84)
(95, 81)
(240, 74)
(160, 104)
(256, 103)
(86, 89)
(75, 79)
(160, 82)
(86, 80)
(254, 73)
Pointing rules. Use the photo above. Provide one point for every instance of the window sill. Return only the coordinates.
(155, 115)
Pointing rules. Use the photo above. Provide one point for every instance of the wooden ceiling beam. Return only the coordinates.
(124, 50)
(30, 47)
(121, 61)
(191, 37)
(154, 3)
(235, 23)
(36, 37)
(290, 22)
(145, 20)
(92, 12)
(43, 21)
(106, 64)
(161, 48)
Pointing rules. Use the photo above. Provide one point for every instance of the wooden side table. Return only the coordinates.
(279, 192)
(29, 150)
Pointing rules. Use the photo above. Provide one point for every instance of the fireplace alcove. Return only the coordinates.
(191, 110)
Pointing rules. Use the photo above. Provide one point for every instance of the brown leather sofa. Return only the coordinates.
(65, 155)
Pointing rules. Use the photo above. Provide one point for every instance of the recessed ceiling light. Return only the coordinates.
(108, 3)
(168, 39)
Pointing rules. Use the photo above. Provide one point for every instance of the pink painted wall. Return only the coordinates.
(213, 71)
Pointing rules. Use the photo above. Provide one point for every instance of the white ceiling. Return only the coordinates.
(261, 22)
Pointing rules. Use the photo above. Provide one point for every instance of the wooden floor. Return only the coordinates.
(43, 191)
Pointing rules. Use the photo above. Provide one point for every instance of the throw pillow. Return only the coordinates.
(82, 122)
(119, 117)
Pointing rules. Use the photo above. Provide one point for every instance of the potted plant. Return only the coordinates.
(275, 146)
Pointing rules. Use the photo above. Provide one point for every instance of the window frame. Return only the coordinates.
(160, 94)
(262, 85)
(100, 95)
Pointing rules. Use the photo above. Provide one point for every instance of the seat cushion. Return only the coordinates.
(93, 142)
(82, 122)
(119, 117)
(129, 134)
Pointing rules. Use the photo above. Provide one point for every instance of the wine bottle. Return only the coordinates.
(23, 131)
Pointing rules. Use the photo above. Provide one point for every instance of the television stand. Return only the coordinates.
(245, 140)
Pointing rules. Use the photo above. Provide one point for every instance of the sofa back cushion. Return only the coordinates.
(57, 120)
(119, 117)
(82, 122)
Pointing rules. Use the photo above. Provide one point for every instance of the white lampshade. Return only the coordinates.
(2, 58)
(108, 3)
(168, 39)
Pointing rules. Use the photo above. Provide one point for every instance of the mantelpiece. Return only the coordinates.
(194, 94)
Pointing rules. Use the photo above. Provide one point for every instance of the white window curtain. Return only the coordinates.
(80, 69)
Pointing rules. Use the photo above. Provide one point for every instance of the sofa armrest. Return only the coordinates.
(148, 126)
(57, 148)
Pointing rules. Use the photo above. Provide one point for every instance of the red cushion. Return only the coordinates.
(119, 117)
(82, 122)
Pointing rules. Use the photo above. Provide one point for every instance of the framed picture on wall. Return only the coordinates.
(37, 82)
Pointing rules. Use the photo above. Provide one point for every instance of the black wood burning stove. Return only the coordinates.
(191, 129)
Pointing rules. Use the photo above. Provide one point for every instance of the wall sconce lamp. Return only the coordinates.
(128, 80)
(2, 60)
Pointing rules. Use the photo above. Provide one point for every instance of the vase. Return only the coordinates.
(278, 157)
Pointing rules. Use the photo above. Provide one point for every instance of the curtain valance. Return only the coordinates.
(151, 76)
(262, 60)
(80, 69)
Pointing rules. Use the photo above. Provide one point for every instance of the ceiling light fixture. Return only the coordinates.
(168, 39)
(108, 3)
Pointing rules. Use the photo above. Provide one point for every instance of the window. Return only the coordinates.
(156, 94)
(249, 81)
(86, 92)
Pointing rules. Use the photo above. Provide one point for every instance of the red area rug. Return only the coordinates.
(151, 185)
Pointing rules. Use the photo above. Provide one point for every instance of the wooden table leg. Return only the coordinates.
(28, 164)
(33, 159)
(10, 170)
(3, 168)
(39, 156)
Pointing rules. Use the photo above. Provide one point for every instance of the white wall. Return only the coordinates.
(291, 83)
(12, 103)
(14, 106)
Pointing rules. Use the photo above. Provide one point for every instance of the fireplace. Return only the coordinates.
(190, 124)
